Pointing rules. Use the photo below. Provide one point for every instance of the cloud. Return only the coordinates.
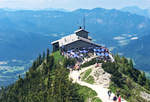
(111, 48)
(125, 39)
(134, 38)
(99, 21)
(54, 35)
(120, 53)
(3, 62)
(62, 34)
(9, 69)
(123, 42)
(119, 38)
(127, 35)
(142, 25)
(71, 4)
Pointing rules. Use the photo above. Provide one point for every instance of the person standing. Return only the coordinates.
(114, 98)
(109, 93)
(118, 93)
(79, 77)
(119, 99)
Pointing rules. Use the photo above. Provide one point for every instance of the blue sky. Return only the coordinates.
(72, 4)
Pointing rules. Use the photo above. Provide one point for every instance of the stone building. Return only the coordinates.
(79, 39)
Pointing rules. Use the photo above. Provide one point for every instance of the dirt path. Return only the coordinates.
(99, 89)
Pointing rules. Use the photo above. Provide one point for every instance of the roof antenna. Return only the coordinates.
(80, 27)
(84, 22)
(79, 24)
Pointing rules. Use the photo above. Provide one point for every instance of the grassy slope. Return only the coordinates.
(86, 74)
(58, 57)
(88, 94)
(87, 77)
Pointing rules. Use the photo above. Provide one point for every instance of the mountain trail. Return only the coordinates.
(100, 89)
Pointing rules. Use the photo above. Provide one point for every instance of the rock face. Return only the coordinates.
(100, 76)
(145, 95)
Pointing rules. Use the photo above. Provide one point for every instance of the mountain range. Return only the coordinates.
(21, 30)
(137, 10)
(26, 33)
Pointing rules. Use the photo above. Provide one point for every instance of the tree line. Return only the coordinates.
(46, 81)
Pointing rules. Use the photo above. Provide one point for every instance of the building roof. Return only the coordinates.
(79, 30)
(66, 39)
(90, 38)
(70, 39)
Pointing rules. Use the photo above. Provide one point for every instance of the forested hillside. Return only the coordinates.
(47, 81)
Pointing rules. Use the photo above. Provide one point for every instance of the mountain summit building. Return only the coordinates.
(79, 39)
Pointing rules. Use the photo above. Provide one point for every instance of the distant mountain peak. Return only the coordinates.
(132, 7)
(137, 10)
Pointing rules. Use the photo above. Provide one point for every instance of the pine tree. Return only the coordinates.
(39, 60)
(34, 65)
(45, 69)
(43, 57)
(147, 84)
(142, 79)
(131, 63)
(117, 58)
(47, 57)
(124, 60)
(50, 62)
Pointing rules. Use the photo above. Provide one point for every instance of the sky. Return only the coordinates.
(72, 4)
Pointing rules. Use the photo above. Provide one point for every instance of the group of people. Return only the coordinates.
(80, 54)
(116, 98)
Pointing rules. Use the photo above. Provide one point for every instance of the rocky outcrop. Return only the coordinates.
(145, 95)
(100, 76)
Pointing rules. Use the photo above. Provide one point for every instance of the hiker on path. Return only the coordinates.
(79, 77)
(118, 93)
(114, 98)
(119, 99)
(109, 93)
(97, 65)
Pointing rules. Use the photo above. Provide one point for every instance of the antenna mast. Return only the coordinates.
(84, 22)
